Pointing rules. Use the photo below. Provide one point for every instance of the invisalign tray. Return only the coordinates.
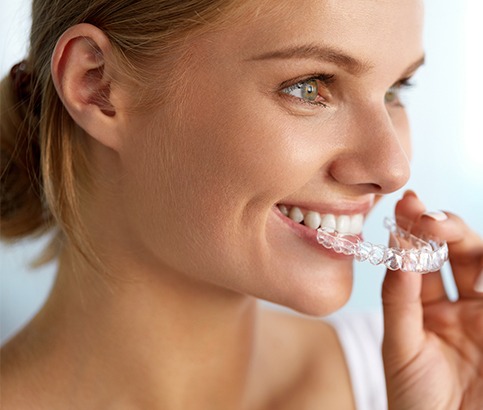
(423, 256)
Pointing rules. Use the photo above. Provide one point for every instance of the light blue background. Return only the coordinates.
(446, 110)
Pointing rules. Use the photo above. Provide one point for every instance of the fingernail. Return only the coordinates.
(410, 192)
(436, 216)
(479, 283)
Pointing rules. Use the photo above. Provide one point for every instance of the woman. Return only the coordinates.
(166, 141)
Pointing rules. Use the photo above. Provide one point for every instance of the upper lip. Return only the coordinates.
(342, 208)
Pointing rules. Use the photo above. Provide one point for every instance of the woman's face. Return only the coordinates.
(296, 107)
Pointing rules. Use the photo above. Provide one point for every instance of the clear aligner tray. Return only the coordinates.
(411, 254)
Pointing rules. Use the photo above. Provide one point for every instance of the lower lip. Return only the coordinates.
(310, 236)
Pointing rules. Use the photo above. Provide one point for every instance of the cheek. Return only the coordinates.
(254, 149)
(216, 175)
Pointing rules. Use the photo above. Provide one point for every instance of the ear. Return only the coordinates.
(82, 74)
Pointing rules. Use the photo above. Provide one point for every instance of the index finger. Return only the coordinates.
(465, 249)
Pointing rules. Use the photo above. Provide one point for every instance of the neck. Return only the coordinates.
(163, 340)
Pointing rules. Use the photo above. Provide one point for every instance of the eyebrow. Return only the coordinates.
(324, 53)
(328, 54)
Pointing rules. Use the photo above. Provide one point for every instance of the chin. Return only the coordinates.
(319, 307)
(315, 298)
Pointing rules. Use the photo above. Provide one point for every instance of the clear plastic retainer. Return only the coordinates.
(417, 255)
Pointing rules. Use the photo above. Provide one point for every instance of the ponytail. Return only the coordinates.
(22, 209)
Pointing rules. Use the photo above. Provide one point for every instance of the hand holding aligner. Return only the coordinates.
(411, 254)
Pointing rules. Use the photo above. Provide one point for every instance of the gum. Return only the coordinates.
(412, 254)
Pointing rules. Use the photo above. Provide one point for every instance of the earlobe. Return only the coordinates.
(83, 79)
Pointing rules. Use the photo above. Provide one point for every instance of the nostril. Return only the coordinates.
(365, 188)
(376, 188)
(369, 170)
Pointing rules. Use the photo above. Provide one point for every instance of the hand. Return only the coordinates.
(433, 347)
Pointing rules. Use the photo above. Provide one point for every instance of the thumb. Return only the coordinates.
(403, 315)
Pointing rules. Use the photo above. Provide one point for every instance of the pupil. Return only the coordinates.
(310, 91)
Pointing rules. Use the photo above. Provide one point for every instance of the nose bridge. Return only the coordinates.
(373, 156)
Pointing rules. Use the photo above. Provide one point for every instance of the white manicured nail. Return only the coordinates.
(437, 216)
(479, 283)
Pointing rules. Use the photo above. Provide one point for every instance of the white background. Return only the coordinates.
(446, 110)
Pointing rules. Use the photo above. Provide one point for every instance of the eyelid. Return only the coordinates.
(403, 82)
(325, 79)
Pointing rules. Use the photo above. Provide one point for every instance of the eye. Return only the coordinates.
(309, 91)
(305, 90)
(393, 95)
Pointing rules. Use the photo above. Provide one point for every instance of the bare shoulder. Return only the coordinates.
(307, 360)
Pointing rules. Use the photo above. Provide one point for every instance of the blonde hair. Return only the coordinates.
(43, 160)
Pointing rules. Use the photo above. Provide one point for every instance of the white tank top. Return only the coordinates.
(361, 337)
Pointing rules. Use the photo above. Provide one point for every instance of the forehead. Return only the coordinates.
(373, 31)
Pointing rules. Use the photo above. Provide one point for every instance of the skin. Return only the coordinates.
(183, 212)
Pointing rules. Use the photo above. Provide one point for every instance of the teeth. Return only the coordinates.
(296, 215)
(283, 209)
(343, 223)
(357, 221)
(329, 221)
(312, 219)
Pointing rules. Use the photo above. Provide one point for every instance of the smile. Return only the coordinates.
(347, 224)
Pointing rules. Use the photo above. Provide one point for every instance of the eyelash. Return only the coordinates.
(327, 79)
(397, 87)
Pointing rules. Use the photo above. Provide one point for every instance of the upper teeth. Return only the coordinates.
(342, 223)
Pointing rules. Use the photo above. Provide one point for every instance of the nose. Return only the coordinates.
(372, 158)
